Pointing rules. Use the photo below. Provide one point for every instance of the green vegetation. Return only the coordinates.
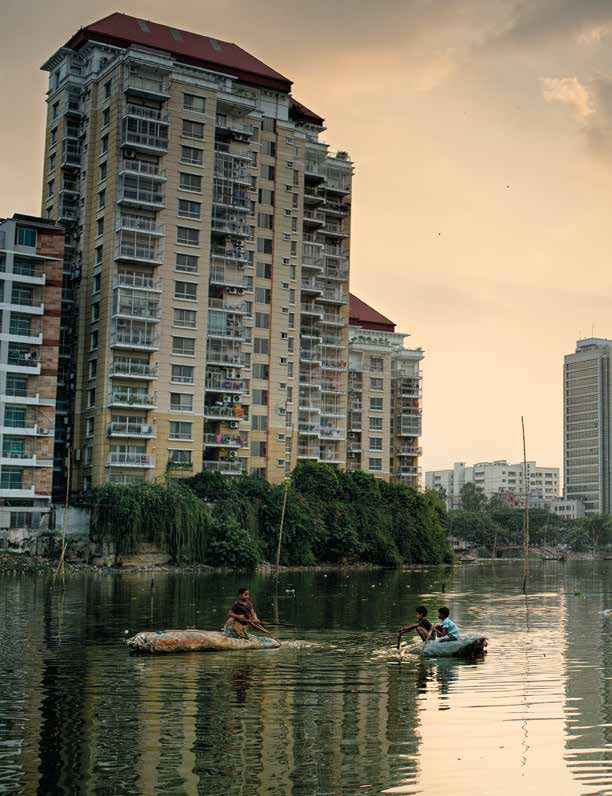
(331, 517)
(491, 524)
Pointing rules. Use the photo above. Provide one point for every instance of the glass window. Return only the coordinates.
(187, 209)
(262, 295)
(259, 422)
(26, 236)
(375, 465)
(182, 374)
(261, 371)
(184, 346)
(264, 245)
(260, 397)
(186, 291)
(107, 89)
(262, 320)
(376, 443)
(191, 102)
(181, 402)
(187, 262)
(185, 318)
(190, 182)
(377, 384)
(187, 236)
(180, 430)
(261, 345)
(376, 423)
(193, 129)
(264, 270)
(192, 155)
(376, 404)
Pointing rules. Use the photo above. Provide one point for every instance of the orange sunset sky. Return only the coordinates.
(481, 132)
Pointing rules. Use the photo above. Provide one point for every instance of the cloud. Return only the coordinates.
(587, 21)
(568, 91)
(592, 106)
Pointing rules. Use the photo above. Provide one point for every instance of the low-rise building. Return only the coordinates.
(567, 508)
(498, 478)
(31, 272)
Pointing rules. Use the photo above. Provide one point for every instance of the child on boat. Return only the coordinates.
(447, 630)
(240, 616)
(422, 626)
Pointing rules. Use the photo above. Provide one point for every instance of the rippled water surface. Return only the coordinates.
(334, 711)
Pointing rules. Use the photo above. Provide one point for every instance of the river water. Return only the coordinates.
(334, 711)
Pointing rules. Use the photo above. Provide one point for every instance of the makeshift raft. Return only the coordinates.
(165, 641)
(468, 646)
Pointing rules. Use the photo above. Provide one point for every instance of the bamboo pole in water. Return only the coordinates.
(280, 530)
(526, 536)
(60, 568)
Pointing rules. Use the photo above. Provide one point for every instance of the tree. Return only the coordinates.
(473, 498)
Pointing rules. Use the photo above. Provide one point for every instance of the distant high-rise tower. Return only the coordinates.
(587, 392)
(208, 237)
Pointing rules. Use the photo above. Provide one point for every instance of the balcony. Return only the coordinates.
(331, 295)
(333, 364)
(139, 224)
(221, 412)
(17, 395)
(331, 455)
(141, 192)
(23, 458)
(225, 196)
(25, 428)
(334, 229)
(333, 319)
(313, 196)
(139, 247)
(311, 310)
(73, 106)
(130, 460)
(310, 287)
(333, 410)
(216, 382)
(231, 168)
(310, 380)
(314, 218)
(308, 452)
(227, 277)
(143, 167)
(143, 430)
(332, 433)
(227, 124)
(308, 429)
(310, 356)
(233, 226)
(136, 279)
(143, 112)
(228, 332)
(136, 339)
(234, 254)
(333, 341)
(144, 141)
(408, 450)
(223, 305)
(233, 441)
(331, 386)
(148, 87)
(223, 467)
(335, 208)
(234, 359)
(138, 304)
(132, 397)
(408, 427)
(335, 271)
(312, 256)
(11, 488)
(70, 185)
(71, 154)
(133, 369)
(23, 363)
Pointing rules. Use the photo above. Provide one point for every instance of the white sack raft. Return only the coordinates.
(468, 646)
(165, 641)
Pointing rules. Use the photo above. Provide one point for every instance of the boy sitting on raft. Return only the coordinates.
(423, 626)
(240, 616)
(447, 630)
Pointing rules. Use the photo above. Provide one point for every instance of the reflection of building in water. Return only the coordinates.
(588, 687)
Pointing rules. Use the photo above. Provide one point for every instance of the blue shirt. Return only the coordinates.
(451, 627)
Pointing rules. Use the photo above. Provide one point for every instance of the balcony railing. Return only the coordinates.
(222, 275)
(136, 194)
(133, 138)
(216, 382)
(332, 319)
(333, 295)
(142, 167)
(138, 280)
(139, 224)
(131, 430)
(314, 216)
(311, 286)
(239, 307)
(226, 123)
(147, 86)
(135, 339)
(230, 227)
(226, 468)
(232, 358)
(142, 112)
(130, 460)
(146, 253)
(311, 309)
(224, 441)
(222, 412)
(131, 397)
(136, 370)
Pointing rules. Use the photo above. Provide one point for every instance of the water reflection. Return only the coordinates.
(335, 714)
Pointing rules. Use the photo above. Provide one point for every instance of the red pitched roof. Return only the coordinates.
(361, 314)
(304, 113)
(123, 30)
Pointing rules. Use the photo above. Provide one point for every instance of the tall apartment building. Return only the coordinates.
(208, 238)
(586, 424)
(384, 398)
(496, 478)
(31, 270)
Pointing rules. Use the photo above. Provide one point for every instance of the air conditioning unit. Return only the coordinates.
(233, 454)
(234, 424)
(227, 399)
(233, 290)
(281, 410)
(43, 431)
(239, 290)
(236, 399)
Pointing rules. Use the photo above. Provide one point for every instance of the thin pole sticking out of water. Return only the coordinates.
(526, 538)
(60, 566)
(280, 530)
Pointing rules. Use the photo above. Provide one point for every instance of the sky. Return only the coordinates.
(481, 132)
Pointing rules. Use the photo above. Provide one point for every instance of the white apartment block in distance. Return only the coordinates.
(208, 228)
(587, 401)
(31, 273)
(384, 398)
(495, 478)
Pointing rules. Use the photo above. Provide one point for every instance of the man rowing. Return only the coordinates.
(241, 616)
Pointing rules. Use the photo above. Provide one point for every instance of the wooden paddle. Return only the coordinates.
(262, 629)
(276, 624)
